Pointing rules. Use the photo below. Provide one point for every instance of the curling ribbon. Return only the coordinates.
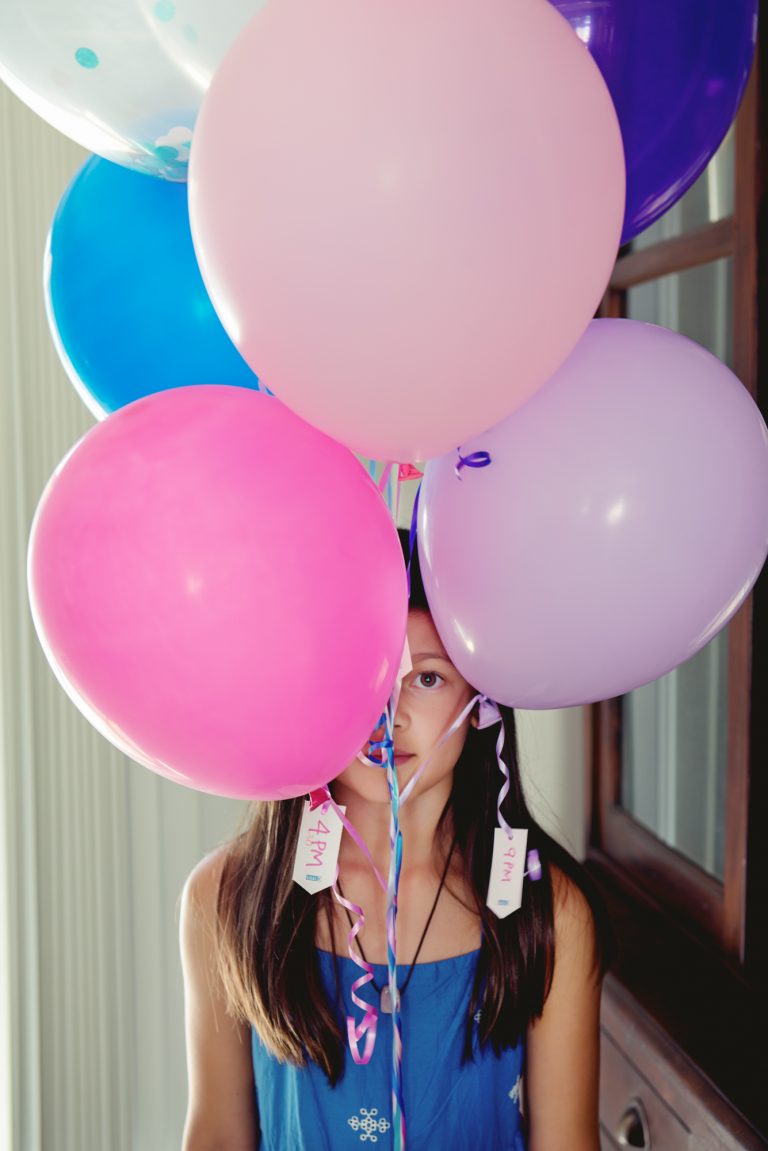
(473, 460)
(368, 1024)
(322, 798)
(488, 715)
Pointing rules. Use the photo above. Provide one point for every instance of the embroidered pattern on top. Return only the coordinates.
(368, 1125)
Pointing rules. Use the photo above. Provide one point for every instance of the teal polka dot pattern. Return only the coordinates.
(87, 58)
(190, 33)
(165, 10)
(167, 153)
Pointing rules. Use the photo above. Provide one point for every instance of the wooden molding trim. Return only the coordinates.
(677, 254)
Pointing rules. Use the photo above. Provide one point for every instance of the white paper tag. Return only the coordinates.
(317, 852)
(505, 887)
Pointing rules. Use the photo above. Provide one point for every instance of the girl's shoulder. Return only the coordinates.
(563, 1043)
(222, 1105)
(201, 887)
(574, 920)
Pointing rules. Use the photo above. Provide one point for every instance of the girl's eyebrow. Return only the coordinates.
(430, 655)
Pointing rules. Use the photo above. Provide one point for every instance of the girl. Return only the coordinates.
(499, 1016)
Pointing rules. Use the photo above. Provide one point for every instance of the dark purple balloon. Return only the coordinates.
(676, 70)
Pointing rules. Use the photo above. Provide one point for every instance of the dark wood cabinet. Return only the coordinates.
(652, 1095)
(678, 821)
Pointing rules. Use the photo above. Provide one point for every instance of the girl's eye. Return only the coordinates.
(433, 676)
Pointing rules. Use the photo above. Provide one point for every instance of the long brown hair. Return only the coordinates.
(266, 924)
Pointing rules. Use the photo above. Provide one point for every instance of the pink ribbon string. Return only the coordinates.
(368, 1024)
(385, 475)
(321, 796)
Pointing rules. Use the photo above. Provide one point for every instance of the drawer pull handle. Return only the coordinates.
(632, 1130)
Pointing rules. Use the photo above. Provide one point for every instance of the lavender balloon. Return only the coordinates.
(676, 70)
(621, 522)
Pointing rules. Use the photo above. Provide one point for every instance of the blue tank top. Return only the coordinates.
(448, 1105)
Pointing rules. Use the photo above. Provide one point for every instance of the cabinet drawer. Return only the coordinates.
(641, 1066)
(624, 1087)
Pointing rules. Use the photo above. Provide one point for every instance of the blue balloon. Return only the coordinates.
(126, 303)
(676, 70)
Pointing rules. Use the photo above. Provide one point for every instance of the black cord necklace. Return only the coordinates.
(385, 998)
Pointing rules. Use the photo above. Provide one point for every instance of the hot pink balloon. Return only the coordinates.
(406, 213)
(621, 522)
(220, 589)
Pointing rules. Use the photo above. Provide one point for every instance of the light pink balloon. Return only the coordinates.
(621, 522)
(406, 212)
(220, 589)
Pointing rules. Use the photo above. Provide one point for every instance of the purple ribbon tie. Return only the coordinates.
(534, 865)
(473, 460)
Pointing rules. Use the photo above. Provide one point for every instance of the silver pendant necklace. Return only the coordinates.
(385, 996)
(385, 999)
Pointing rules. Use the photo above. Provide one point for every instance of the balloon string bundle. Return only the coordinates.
(488, 715)
(395, 864)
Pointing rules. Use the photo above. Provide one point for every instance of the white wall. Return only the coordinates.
(552, 758)
(93, 849)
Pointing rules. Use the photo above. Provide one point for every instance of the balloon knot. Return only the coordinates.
(473, 460)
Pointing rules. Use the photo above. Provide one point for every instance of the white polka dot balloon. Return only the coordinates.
(123, 78)
(197, 33)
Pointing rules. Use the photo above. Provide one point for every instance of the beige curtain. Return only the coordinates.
(93, 849)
